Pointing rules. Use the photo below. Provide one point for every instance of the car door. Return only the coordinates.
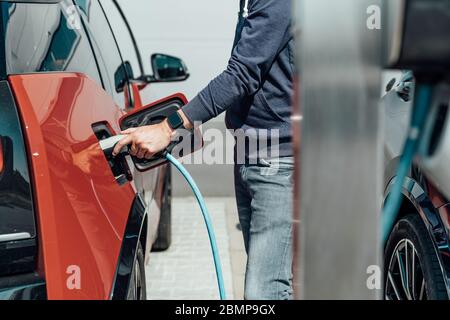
(146, 182)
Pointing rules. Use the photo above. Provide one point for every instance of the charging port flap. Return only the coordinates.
(187, 141)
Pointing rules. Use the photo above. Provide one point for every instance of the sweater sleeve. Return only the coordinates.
(266, 31)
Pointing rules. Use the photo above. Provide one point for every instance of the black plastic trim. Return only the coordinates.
(23, 287)
(133, 38)
(128, 251)
(17, 257)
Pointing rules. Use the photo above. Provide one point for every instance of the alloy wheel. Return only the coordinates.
(404, 279)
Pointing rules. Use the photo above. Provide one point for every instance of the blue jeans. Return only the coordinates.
(264, 194)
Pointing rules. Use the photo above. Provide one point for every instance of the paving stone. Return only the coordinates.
(186, 270)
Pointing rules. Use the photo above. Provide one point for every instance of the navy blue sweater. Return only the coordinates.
(256, 88)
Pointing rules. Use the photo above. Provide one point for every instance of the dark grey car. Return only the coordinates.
(417, 254)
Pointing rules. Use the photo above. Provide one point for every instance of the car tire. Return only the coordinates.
(137, 289)
(164, 238)
(412, 270)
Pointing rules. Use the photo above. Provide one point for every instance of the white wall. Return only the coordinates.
(201, 32)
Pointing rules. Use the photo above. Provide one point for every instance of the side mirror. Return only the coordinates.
(186, 143)
(418, 35)
(168, 69)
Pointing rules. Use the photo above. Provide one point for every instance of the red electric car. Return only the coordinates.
(75, 224)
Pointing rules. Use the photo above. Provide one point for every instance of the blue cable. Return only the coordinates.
(418, 121)
(207, 218)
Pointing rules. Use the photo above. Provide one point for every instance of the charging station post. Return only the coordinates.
(339, 185)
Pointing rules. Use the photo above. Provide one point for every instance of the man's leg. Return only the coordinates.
(243, 201)
(269, 247)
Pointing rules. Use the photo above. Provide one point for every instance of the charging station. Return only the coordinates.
(340, 176)
(341, 233)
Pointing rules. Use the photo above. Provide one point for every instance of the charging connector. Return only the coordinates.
(109, 144)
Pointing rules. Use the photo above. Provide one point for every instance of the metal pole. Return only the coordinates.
(339, 189)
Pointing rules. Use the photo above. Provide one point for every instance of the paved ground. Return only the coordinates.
(186, 270)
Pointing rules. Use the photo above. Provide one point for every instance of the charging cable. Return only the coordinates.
(208, 222)
(393, 203)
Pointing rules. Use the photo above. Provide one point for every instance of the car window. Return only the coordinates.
(16, 204)
(105, 47)
(46, 38)
(123, 37)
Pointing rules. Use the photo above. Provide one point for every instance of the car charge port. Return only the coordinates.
(118, 164)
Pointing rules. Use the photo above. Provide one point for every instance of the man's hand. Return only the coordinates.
(146, 141)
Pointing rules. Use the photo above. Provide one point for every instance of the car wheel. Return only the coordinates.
(412, 270)
(137, 289)
(164, 238)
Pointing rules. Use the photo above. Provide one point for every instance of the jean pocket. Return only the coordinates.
(284, 166)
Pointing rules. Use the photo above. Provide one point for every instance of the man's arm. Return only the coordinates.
(265, 33)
